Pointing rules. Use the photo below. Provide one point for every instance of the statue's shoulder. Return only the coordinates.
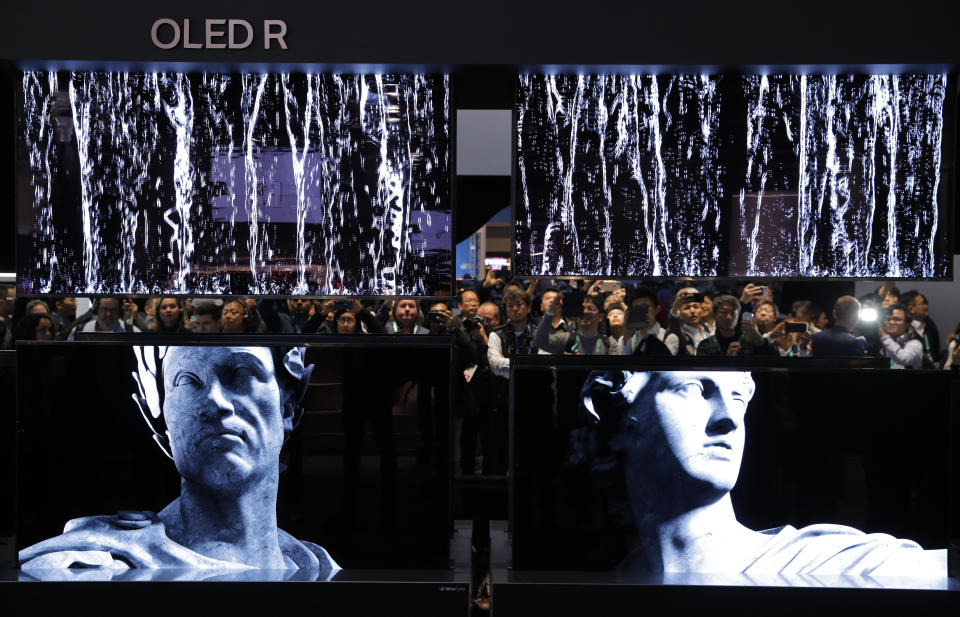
(838, 550)
(308, 556)
(118, 541)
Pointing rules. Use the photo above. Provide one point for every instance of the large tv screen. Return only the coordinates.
(218, 458)
(734, 175)
(259, 183)
(810, 476)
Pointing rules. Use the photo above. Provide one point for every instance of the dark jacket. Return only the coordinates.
(837, 342)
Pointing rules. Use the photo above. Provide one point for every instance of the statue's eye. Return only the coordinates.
(691, 388)
(187, 379)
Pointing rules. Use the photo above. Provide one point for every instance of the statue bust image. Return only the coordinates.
(674, 441)
(222, 414)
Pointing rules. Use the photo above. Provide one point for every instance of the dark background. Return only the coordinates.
(85, 450)
(863, 448)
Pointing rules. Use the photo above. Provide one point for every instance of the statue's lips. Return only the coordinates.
(225, 434)
(718, 449)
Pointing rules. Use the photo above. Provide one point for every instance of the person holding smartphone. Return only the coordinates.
(730, 338)
(643, 335)
(586, 340)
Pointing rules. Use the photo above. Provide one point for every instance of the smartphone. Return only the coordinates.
(746, 318)
(342, 305)
(606, 286)
(765, 291)
(572, 304)
(795, 326)
(697, 298)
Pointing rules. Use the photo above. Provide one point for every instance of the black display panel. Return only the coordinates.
(828, 455)
(257, 183)
(364, 474)
(734, 175)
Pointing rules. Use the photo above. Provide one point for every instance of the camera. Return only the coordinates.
(436, 316)
(474, 323)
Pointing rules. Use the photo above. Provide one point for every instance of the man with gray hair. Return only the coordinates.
(731, 338)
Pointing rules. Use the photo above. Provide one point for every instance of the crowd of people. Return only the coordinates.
(507, 318)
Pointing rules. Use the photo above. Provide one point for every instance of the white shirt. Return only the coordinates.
(905, 352)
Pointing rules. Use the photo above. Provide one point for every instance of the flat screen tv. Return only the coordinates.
(789, 175)
(254, 183)
(134, 461)
(814, 475)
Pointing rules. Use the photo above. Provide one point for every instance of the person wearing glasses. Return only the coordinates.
(586, 340)
(108, 313)
(897, 342)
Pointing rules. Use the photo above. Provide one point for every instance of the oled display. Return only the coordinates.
(731, 175)
(803, 477)
(220, 459)
(234, 183)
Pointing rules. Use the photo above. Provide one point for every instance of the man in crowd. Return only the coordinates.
(474, 390)
(404, 316)
(684, 335)
(108, 319)
(586, 340)
(557, 323)
(643, 334)
(491, 316)
(514, 338)
(469, 303)
(731, 339)
(208, 317)
(291, 322)
(897, 342)
(65, 311)
(927, 332)
(838, 340)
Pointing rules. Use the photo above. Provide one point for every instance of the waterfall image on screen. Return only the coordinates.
(234, 183)
(618, 175)
(737, 175)
(842, 176)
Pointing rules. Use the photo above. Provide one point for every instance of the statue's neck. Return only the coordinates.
(240, 527)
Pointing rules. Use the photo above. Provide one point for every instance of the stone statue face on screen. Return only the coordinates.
(687, 433)
(224, 414)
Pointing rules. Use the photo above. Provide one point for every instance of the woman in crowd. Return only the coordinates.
(170, 317)
(348, 321)
(34, 327)
(616, 320)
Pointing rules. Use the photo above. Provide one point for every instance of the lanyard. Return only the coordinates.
(396, 328)
(596, 349)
